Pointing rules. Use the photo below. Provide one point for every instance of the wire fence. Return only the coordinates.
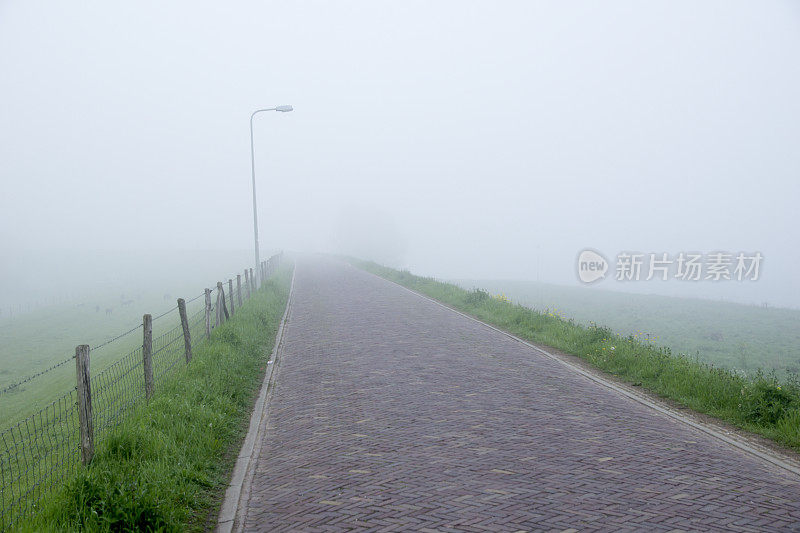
(38, 453)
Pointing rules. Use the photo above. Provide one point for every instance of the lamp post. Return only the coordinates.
(282, 109)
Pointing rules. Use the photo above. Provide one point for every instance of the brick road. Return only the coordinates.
(391, 413)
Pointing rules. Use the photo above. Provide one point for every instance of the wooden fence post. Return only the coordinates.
(222, 307)
(253, 281)
(84, 403)
(247, 282)
(239, 288)
(187, 338)
(230, 294)
(147, 355)
(208, 313)
(218, 314)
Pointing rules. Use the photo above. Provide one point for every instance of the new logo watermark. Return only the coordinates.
(592, 266)
(683, 266)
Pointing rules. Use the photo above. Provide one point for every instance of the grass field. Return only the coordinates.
(36, 341)
(735, 336)
(166, 465)
(756, 402)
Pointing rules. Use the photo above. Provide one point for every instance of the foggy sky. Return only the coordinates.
(459, 139)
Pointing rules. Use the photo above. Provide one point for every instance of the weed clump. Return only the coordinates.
(476, 296)
(766, 402)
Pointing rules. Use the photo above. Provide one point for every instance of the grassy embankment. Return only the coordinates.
(732, 335)
(167, 465)
(757, 402)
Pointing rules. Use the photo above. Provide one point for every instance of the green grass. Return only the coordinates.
(735, 336)
(755, 402)
(166, 466)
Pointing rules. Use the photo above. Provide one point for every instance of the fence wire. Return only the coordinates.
(118, 337)
(15, 386)
(116, 390)
(38, 453)
(168, 349)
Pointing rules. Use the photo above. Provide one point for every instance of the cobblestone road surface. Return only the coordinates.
(391, 413)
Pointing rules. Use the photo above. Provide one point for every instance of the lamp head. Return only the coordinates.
(284, 108)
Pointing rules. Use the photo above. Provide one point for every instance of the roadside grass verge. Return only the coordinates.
(760, 403)
(166, 466)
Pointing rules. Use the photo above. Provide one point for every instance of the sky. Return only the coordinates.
(459, 139)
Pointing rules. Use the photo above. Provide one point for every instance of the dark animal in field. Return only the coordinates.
(127, 302)
(167, 297)
(109, 311)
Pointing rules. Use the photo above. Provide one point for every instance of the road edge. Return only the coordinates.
(231, 515)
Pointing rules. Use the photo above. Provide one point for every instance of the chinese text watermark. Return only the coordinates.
(683, 266)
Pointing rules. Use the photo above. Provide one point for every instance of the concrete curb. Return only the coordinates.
(764, 454)
(231, 513)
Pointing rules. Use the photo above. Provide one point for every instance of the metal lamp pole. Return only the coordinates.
(282, 109)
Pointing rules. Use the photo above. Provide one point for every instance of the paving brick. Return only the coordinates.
(391, 413)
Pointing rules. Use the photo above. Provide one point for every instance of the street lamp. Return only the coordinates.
(282, 109)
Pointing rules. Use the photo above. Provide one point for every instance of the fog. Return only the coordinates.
(457, 139)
